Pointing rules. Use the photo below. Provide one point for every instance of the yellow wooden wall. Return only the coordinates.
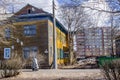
(61, 41)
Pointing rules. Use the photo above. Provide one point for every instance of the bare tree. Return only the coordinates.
(113, 11)
(6, 25)
(9, 6)
(114, 27)
(74, 18)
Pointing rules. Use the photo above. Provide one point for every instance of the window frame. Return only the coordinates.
(29, 50)
(30, 30)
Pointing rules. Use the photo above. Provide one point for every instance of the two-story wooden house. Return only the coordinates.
(34, 28)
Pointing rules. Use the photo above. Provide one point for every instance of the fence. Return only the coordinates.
(103, 59)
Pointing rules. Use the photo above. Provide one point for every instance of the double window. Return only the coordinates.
(30, 52)
(30, 30)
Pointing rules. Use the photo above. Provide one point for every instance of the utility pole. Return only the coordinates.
(54, 38)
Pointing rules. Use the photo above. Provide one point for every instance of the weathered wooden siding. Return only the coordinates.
(50, 42)
(40, 40)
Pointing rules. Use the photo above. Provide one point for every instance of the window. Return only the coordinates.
(34, 51)
(66, 55)
(30, 52)
(26, 52)
(61, 54)
(30, 30)
(29, 11)
(7, 33)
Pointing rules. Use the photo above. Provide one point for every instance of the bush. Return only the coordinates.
(11, 67)
(111, 70)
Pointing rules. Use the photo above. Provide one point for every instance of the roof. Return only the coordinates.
(25, 9)
(38, 14)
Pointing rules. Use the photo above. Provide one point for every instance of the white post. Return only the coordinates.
(54, 38)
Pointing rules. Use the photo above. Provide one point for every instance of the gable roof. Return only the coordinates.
(29, 9)
(38, 14)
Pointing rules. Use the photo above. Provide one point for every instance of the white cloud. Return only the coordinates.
(99, 18)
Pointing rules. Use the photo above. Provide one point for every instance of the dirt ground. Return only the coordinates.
(59, 74)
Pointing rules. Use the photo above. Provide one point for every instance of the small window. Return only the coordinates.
(7, 33)
(61, 54)
(26, 52)
(34, 51)
(29, 11)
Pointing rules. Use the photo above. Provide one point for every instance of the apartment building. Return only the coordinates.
(93, 41)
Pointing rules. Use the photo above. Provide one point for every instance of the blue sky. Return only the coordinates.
(47, 5)
(60, 1)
